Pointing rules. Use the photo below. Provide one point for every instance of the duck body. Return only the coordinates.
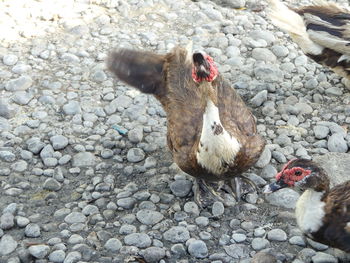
(211, 133)
(322, 214)
(321, 30)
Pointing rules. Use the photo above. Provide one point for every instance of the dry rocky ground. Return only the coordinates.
(85, 175)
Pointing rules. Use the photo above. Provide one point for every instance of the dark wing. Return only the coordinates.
(336, 229)
(239, 121)
(140, 69)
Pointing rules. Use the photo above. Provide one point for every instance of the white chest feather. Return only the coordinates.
(310, 211)
(217, 148)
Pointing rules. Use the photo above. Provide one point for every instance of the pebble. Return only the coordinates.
(57, 256)
(285, 198)
(198, 249)
(21, 83)
(7, 245)
(176, 234)
(321, 257)
(181, 188)
(277, 235)
(113, 245)
(6, 221)
(10, 59)
(32, 230)
(336, 143)
(135, 155)
(83, 159)
(153, 254)
(218, 209)
(59, 142)
(39, 251)
(259, 243)
(149, 217)
(139, 240)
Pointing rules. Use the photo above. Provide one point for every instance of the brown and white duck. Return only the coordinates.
(323, 214)
(211, 133)
(321, 30)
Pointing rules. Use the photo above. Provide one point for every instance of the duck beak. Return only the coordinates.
(273, 187)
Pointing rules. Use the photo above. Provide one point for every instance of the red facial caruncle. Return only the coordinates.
(290, 176)
(213, 71)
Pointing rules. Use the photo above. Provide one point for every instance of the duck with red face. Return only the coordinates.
(323, 214)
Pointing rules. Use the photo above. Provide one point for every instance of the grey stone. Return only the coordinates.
(337, 165)
(73, 257)
(10, 59)
(71, 108)
(276, 235)
(264, 159)
(297, 240)
(236, 251)
(316, 245)
(22, 97)
(336, 143)
(263, 54)
(268, 172)
(149, 217)
(113, 245)
(21, 83)
(52, 184)
(153, 254)
(57, 256)
(7, 110)
(259, 243)
(181, 188)
(7, 245)
(176, 234)
(99, 76)
(126, 203)
(35, 145)
(268, 36)
(139, 240)
(21, 68)
(280, 51)
(71, 58)
(47, 152)
(135, 135)
(75, 217)
(58, 142)
(285, 197)
(259, 98)
(217, 209)
(39, 251)
(32, 230)
(321, 257)
(11, 208)
(19, 166)
(135, 155)
(321, 131)
(191, 208)
(7, 156)
(239, 237)
(198, 249)
(6, 221)
(84, 159)
(22, 221)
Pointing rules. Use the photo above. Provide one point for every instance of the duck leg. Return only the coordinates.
(206, 193)
(241, 185)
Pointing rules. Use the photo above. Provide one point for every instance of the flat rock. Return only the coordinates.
(285, 197)
(337, 166)
(83, 159)
(7, 245)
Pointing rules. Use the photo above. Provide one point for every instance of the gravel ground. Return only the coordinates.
(85, 174)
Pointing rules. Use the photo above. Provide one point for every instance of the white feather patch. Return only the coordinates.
(309, 211)
(344, 57)
(216, 150)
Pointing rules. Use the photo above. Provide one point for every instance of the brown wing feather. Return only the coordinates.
(335, 230)
(240, 122)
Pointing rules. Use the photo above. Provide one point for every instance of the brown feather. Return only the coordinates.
(334, 231)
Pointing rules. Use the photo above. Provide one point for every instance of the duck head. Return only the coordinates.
(300, 174)
(204, 68)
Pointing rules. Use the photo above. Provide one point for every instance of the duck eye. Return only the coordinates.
(298, 173)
